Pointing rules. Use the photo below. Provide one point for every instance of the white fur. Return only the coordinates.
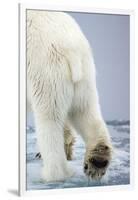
(61, 86)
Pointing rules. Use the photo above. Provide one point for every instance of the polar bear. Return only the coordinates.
(61, 87)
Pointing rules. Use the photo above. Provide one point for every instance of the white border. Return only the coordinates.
(22, 96)
(22, 100)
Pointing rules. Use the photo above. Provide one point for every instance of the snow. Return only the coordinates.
(117, 174)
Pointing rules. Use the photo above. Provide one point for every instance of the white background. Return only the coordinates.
(9, 101)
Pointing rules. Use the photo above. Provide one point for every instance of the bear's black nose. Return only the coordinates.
(99, 163)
